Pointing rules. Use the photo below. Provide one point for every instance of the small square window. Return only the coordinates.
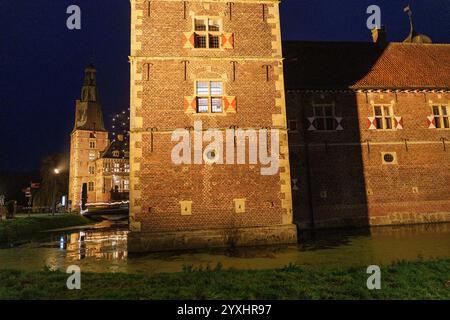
(207, 33)
(209, 96)
(384, 118)
(324, 117)
(441, 117)
(389, 158)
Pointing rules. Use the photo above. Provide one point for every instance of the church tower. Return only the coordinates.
(88, 139)
(218, 64)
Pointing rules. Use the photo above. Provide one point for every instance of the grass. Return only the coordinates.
(17, 229)
(402, 280)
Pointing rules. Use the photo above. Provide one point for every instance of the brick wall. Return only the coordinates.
(163, 73)
(80, 162)
(349, 183)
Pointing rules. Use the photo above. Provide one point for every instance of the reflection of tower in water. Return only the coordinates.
(99, 245)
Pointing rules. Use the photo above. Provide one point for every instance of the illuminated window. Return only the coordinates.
(207, 33)
(441, 117)
(91, 186)
(126, 185)
(92, 144)
(91, 169)
(116, 167)
(209, 96)
(92, 155)
(384, 117)
(127, 167)
(116, 153)
(324, 117)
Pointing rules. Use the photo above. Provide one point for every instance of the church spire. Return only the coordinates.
(89, 114)
(89, 92)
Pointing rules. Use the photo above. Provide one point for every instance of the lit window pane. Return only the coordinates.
(203, 88)
(216, 88)
(216, 105)
(200, 25)
(444, 111)
(214, 25)
(387, 111)
(202, 105)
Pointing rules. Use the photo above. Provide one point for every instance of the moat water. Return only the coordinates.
(103, 248)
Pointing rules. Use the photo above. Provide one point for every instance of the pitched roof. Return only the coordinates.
(365, 65)
(117, 145)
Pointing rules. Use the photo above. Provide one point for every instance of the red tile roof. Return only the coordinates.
(363, 65)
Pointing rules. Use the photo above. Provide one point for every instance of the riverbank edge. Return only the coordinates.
(22, 228)
(401, 280)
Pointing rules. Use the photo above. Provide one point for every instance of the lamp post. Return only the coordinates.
(56, 172)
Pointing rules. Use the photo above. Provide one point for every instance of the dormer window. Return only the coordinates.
(116, 153)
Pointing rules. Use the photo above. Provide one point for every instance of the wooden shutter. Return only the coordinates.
(339, 126)
(431, 122)
(188, 40)
(372, 123)
(230, 104)
(190, 104)
(399, 123)
(312, 126)
(227, 41)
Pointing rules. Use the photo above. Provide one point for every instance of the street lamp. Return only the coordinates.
(56, 172)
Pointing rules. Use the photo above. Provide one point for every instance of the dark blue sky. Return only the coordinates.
(42, 62)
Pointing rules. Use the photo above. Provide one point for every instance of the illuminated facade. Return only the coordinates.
(101, 165)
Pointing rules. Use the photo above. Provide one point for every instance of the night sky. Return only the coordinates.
(42, 62)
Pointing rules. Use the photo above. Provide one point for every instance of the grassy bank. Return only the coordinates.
(405, 280)
(17, 229)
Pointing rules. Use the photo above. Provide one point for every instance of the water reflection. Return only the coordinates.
(102, 245)
(105, 250)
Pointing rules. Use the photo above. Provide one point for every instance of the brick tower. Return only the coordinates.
(88, 139)
(218, 63)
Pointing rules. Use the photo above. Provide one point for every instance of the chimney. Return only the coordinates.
(379, 36)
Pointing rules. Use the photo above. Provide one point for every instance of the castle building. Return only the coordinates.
(369, 131)
(364, 129)
(95, 161)
(218, 63)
